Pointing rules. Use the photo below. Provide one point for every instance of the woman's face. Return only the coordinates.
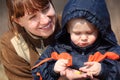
(82, 33)
(41, 23)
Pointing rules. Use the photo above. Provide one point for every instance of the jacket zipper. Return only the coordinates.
(83, 52)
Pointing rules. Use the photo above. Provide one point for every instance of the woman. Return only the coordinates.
(32, 29)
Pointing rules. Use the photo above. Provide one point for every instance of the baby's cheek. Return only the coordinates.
(76, 42)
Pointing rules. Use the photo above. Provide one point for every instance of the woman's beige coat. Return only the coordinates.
(18, 54)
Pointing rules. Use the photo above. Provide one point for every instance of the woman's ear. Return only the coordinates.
(17, 21)
(14, 19)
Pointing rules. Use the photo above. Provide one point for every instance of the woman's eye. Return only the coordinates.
(46, 8)
(32, 17)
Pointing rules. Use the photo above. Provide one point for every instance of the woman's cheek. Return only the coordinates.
(33, 24)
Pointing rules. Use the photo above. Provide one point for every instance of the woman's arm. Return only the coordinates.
(15, 66)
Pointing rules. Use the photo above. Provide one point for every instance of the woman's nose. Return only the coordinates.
(44, 19)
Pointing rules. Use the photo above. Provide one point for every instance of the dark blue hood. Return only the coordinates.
(95, 11)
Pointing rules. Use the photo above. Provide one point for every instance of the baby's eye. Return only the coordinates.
(89, 32)
(77, 33)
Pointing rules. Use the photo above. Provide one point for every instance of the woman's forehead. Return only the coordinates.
(29, 6)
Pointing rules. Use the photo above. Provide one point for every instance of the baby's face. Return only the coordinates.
(82, 32)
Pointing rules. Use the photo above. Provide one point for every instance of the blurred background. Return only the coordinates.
(113, 7)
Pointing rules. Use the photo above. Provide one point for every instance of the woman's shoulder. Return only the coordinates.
(5, 40)
(15, 43)
(7, 36)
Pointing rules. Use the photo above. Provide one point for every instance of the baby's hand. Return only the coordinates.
(60, 65)
(91, 68)
(73, 74)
